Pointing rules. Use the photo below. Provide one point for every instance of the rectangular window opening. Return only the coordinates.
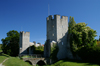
(62, 34)
(52, 34)
(62, 26)
(62, 43)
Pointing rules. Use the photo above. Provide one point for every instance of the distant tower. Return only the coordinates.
(24, 42)
(57, 30)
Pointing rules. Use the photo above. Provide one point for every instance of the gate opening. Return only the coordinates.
(41, 63)
(29, 62)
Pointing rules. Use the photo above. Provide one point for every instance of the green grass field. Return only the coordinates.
(27, 56)
(0, 50)
(70, 63)
(3, 57)
(15, 61)
(12, 61)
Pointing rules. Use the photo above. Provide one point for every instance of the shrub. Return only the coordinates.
(90, 54)
(0, 46)
(37, 50)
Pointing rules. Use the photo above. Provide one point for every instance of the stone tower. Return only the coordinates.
(57, 30)
(24, 42)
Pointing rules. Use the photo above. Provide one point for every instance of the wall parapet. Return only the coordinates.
(56, 17)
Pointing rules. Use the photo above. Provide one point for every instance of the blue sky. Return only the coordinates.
(30, 15)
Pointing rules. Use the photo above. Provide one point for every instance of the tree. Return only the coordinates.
(85, 44)
(71, 24)
(37, 50)
(82, 41)
(99, 38)
(11, 43)
(82, 35)
(0, 46)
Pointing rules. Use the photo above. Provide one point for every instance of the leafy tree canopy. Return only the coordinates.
(71, 24)
(82, 35)
(11, 43)
(37, 50)
(99, 38)
(83, 42)
(0, 46)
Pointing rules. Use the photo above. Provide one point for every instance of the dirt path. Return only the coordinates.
(3, 62)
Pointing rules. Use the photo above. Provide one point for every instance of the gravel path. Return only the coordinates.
(3, 62)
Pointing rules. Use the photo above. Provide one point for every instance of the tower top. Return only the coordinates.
(50, 17)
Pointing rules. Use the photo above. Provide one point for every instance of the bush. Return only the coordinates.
(0, 46)
(37, 50)
(90, 54)
(10, 45)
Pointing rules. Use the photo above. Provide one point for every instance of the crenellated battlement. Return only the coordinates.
(25, 33)
(55, 17)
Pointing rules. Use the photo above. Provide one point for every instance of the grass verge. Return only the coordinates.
(12, 61)
(3, 57)
(72, 63)
(15, 61)
(0, 50)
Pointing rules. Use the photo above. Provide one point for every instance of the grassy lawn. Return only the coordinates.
(27, 56)
(70, 63)
(15, 61)
(0, 50)
(3, 57)
(12, 61)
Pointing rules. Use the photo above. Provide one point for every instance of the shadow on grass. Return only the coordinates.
(2, 54)
(80, 61)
